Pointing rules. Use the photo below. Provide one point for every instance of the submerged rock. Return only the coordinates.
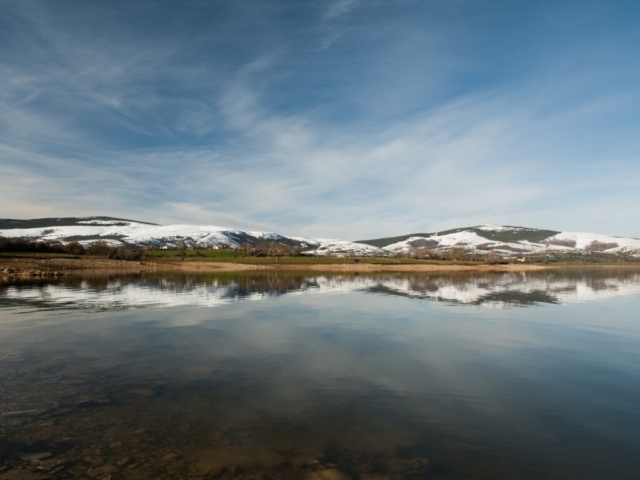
(419, 464)
(122, 461)
(169, 456)
(101, 471)
(36, 457)
(329, 474)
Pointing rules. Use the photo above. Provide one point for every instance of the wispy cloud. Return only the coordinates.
(338, 8)
(244, 123)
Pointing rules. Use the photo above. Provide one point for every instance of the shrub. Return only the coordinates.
(75, 248)
(99, 248)
(596, 246)
(560, 243)
(125, 254)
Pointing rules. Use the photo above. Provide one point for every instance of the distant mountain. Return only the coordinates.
(502, 241)
(507, 241)
(490, 232)
(9, 223)
(117, 231)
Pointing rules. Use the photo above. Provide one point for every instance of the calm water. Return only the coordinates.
(503, 376)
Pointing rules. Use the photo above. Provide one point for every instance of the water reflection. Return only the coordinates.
(492, 290)
(330, 377)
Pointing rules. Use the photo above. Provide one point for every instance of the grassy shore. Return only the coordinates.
(226, 256)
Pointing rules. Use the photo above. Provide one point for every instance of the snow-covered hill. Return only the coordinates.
(120, 232)
(504, 241)
(515, 241)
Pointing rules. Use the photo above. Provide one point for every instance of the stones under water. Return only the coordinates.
(321, 377)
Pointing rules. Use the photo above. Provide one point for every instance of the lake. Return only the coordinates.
(530, 375)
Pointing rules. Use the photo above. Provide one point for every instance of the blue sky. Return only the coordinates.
(343, 118)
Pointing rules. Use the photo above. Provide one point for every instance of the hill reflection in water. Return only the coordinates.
(490, 290)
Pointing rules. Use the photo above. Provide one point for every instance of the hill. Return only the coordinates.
(507, 241)
(490, 232)
(477, 241)
(129, 233)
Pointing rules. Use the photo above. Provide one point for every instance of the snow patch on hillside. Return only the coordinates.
(465, 239)
(329, 246)
(598, 242)
(495, 228)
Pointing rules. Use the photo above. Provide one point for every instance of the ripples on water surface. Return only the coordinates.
(322, 377)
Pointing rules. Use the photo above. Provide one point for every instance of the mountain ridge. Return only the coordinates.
(479, 240)
(506, 233)
(12, 223)
(120, 232)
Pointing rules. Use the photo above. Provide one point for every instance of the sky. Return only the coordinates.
(340, 118)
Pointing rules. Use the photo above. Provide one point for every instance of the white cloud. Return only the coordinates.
(134, 129)
(340, 7)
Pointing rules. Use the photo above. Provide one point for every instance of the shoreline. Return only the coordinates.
(34, 267)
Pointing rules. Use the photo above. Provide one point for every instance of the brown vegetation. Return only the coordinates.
(560, 243)
(596, 246)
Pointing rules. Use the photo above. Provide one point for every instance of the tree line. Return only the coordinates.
(99, 248)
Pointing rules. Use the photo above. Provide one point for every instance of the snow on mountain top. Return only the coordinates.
(494, 228)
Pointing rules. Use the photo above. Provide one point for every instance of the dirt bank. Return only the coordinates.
(55, 267)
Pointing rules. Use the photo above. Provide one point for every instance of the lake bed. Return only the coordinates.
(318, 376)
